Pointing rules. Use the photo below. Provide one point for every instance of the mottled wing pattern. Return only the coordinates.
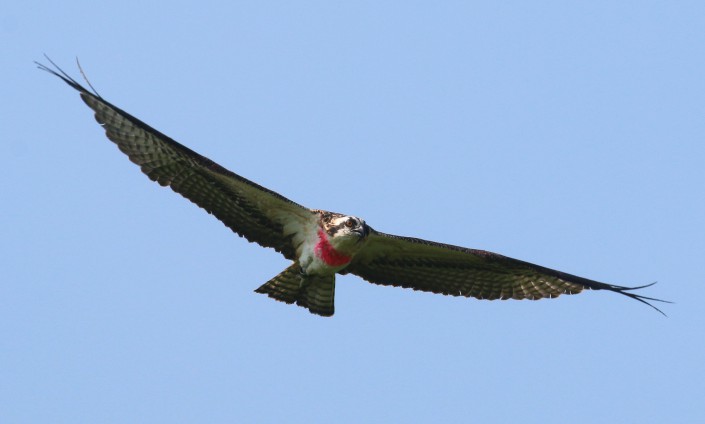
(457, 271)
(248, 209)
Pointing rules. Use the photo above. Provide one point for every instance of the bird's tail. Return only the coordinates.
(316, 293)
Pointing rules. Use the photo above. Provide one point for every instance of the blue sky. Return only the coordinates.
(568, 134)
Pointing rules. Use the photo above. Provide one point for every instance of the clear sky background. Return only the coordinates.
(568, 134)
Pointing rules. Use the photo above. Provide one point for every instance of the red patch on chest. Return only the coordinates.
(327, 253)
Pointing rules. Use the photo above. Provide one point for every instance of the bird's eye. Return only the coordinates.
(350, 223)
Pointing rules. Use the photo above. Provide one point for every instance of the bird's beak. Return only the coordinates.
(364, 231)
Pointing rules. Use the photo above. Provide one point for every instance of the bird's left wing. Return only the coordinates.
(457, 271)
(250, 210)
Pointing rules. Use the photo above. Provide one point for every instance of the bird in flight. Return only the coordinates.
(319, 243)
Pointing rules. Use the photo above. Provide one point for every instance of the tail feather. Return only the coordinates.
(314, 292)
(286, 286)
(318, 296)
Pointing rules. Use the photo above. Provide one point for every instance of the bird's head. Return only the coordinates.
(344, 230)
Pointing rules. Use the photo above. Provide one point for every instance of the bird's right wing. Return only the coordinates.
(250, 210)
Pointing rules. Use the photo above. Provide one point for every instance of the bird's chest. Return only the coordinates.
(319, 255)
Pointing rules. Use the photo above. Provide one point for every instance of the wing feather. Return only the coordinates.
(457, 271)
(250, 210)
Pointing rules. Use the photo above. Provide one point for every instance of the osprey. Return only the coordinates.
(321, 243)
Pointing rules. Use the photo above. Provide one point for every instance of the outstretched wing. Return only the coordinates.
(457, 271)
(250, 210)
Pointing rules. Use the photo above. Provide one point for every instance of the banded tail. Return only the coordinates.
(313, 292)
